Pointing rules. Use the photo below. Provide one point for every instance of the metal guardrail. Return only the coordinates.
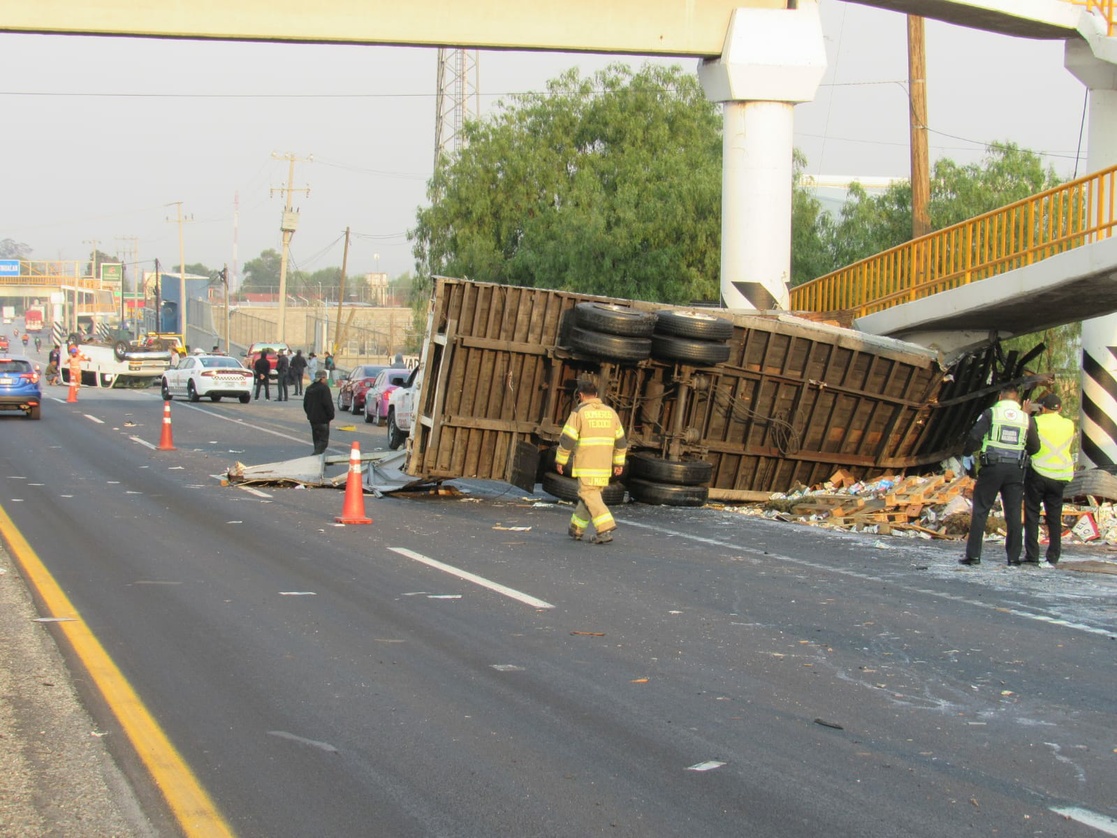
(1079, 212)
(1105, 8)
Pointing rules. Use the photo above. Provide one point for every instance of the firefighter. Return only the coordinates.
(74, 363)
(1005, 435)
(593, 435)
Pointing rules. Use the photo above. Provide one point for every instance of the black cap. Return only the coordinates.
(1051, 402)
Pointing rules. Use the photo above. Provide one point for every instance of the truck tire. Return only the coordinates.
(566, 488)
(396, 437)
(610, 347)
(701, 353)
(120, 349)
(667, 494)
(678, 472)
(693, 324)
(614, 320)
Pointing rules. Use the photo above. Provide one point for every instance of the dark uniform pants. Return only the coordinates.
(1048, 492)
(1006, 480)
(263, 381)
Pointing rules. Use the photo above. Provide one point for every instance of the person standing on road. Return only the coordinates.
(318, 405)
(74, 364)
(1048, 474)
(329, 366)
(594, 436)
(262, 368)
(298, 367)
(282, 368)
(1005, 435)
(312, 367)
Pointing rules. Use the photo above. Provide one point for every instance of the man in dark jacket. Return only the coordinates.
(262, 368)
(282, 367)
(319, 407)
(298, 367)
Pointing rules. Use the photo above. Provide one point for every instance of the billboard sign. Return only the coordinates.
(9, 267)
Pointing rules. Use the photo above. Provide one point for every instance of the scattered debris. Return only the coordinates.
(511, 529)
(825, 723)
(588, 633)
(931, 507)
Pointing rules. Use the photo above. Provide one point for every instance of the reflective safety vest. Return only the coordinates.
(1007, 437)
(1056, 434)
(595, 431)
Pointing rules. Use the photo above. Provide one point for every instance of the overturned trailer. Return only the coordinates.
(736, 402)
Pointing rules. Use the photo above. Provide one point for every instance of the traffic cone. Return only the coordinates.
(72, 396)
(354, 510)
(166, 439)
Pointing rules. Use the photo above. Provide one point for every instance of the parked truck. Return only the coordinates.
(731, 403)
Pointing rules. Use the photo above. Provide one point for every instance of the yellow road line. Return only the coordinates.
(191, 806)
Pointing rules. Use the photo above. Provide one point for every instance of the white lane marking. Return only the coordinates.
(708, 765)
(869, 577)
(255, 428)
(465, 575)
(297, 593)
(323, 746)
(142, 442)
(1102, 823)
(93, 419)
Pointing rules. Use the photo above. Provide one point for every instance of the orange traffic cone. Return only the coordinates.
(72, 396)
(166, 439)
(354, 510)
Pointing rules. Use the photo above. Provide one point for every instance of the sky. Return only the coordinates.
(104, 135)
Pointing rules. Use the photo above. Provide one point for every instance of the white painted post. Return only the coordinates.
(772, 59)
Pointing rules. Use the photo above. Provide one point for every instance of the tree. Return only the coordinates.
(871, 224)
(608, 185)
(262, 273)
(11, 249)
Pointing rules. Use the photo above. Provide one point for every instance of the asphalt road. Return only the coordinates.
(708, 673)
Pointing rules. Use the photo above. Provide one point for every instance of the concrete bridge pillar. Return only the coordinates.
(1098, 411)
(772, 59)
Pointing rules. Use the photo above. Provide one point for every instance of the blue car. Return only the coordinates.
(19, 386)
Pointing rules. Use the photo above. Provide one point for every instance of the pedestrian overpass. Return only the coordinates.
(1042, 262)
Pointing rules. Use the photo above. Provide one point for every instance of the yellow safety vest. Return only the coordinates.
(1007, 436)
(1056, 434)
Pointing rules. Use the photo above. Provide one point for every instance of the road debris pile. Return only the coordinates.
(932, 506)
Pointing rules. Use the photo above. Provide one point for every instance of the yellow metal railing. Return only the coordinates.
(1105, 8)
(1076, 213)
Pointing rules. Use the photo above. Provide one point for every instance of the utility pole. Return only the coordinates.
(920, 165)
(225, 281)
(181, 219)
(131, 258)
(341, 294)
(287, 226)
(93, 270)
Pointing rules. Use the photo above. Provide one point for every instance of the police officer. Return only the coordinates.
(1047, 476)
(1005, 435)
(594, 436)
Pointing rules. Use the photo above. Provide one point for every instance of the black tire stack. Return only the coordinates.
(566, 488)
(691, 337)
(612, 333)
(663, 482)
